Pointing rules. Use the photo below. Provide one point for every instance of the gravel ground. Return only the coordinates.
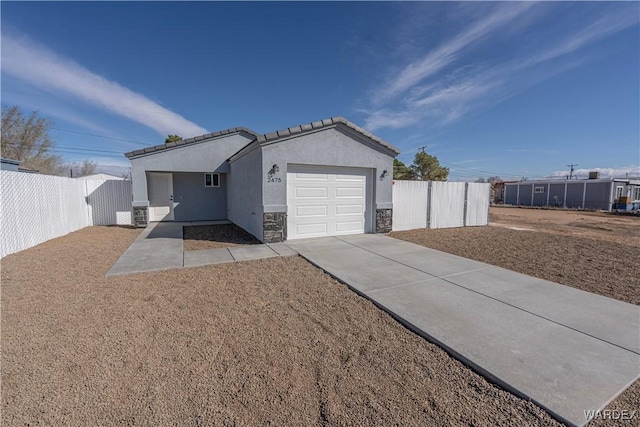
(611, 270)
(606, 227)
(274, 341)
(216, 236)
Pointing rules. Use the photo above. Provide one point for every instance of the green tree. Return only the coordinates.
(172, 138)
(427, 168)
(27, 139)
(402, 171)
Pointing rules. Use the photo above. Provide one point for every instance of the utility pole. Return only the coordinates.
(422, 148)
(572, 168)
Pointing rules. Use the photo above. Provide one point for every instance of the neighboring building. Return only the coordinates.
(14, 166)
(320, 179)
(103, 176)
(9, 164)
(597, 193)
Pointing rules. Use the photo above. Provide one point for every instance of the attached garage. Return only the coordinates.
(328, 201)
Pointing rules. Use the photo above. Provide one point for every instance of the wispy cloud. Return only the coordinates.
(36, 65)
(534, 151)
(438, 89)
(467, 161)
(36, 103)
(449, 51)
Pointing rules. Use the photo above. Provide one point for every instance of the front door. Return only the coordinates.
(160, 196)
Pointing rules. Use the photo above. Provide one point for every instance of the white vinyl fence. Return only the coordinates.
(435, 204)
(36, 208)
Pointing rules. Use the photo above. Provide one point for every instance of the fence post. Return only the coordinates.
(466, 199)
(429, 195)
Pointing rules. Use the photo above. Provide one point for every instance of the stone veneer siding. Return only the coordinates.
(274, 226)
(140, 218)
(383, 220)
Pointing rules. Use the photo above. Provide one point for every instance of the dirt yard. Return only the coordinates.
(274, 341)
(602, 226)
(216, 236)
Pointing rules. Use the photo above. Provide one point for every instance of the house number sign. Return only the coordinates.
(271, 175)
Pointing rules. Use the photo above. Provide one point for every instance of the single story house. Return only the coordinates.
(597, 193)
(324, 178)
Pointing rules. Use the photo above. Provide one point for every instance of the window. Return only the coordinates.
(636, 193)
(539, 190)
(619, 191)
(211, 180)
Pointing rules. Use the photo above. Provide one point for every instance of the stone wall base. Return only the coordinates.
(274, 227)
(383, 220)
(140, 216)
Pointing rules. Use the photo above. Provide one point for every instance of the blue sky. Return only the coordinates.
(509, 89)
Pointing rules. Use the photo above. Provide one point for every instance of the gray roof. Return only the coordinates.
(322, 124)
(10, 161)
(195, 139)
(268, 137)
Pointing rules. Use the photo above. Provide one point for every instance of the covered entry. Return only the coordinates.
(328, 201)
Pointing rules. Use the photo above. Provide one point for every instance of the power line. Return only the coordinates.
(62, 148)
(102, 136)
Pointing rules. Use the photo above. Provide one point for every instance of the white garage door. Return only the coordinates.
(325, 201)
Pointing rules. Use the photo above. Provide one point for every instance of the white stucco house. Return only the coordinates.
(324, 178)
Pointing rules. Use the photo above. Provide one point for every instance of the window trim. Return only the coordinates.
(215, 182)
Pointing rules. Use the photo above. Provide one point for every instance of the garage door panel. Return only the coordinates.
(349, 192)
(349, 209)
(302, 176)
(349, 178)
(350, 226)
(325, 201)
(313, 229)
(312, 192)
(311, 211)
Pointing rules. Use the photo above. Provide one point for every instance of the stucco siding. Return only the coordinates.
(195, 202)
(328, 147)
(208, 156)
(244, 189)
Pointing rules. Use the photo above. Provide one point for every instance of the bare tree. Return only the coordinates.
(87, 167)
(27, 139)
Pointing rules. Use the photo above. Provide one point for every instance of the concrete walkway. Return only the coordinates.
(568, 350)
(159, 247)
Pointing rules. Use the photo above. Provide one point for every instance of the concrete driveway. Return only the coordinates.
(568, 350)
